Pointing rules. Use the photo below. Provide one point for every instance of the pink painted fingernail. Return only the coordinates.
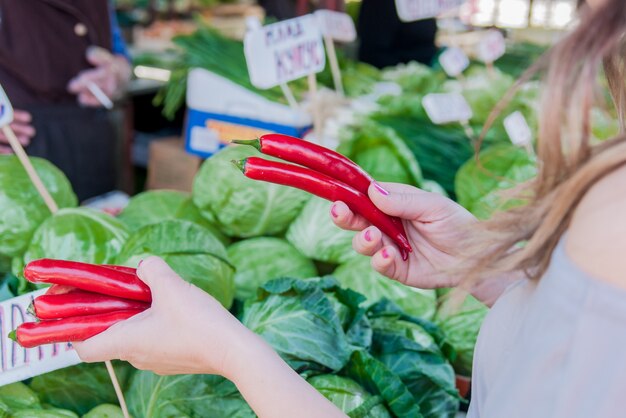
(333, 211)
(385, 253)
(368, 235)
(380, 189)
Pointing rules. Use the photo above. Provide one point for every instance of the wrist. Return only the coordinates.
(246, 350)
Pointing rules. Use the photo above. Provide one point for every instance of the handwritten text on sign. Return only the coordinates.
(446, 108)
(412, 10)
(6, 110)
(284, 51)
(18, 363)
(492, 46)
(336, 25)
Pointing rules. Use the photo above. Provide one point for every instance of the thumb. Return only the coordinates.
(98, 56)
(155, 272)
(404, 201)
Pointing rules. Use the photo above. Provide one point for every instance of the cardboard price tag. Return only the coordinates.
(517, 128)
(6, 110)
(17, 363)
(412, 10)
(336, 25)
(446, 108)
(454, 61)
(492, 46)
(284, 51)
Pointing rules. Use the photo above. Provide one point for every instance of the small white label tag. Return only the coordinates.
(517, 128)
(412, 10)
(284, 51)
(336, 25)
(454, 61)
(204, 140)
(19, 363)
(492, 46)
(6, 110)
(446, 108)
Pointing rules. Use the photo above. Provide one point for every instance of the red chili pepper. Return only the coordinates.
(313, 156)
(80, 303)
(57, 289)
(79, 328)
(123, 269)
(89, 277)
(327, 188)
(318, 158)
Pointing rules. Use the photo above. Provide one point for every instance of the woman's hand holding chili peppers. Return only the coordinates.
(184, 331)
(435, 226)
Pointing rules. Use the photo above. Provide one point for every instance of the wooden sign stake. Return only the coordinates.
(334, 65)
(291, 99)
(315, 109)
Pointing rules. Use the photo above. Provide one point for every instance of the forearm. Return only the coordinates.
(272, 388)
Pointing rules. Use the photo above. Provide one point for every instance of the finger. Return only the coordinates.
(409, 202)
(386, 261)
(88, 99)
(98, 56)
(5, 150)
(157, 274)
(110, 344)
(21, 129)
(22, 116)
(23, 140)
(344, 218)
(368, 241)
(82, 80)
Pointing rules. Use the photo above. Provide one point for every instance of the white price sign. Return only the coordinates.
(17, 363)
(492, 46)
(284, 51)
(6, 110)
(412, 10)
(517, 128)
(336, 25)
(446, 108)
(454, 61)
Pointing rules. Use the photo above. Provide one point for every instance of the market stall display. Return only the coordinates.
(269, 253)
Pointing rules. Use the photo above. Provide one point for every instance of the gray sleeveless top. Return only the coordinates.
(555, 348)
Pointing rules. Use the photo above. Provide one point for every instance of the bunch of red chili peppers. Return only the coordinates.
(84, 300)
(324, 173)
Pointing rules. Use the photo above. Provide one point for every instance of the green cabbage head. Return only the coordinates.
(349, 396)
(191, 250)
(359, 276)
(239, 206)
(22, 209)
(259, 260)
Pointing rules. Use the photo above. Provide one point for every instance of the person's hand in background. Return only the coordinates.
(435, 226)
(23, 129)
(111, 74)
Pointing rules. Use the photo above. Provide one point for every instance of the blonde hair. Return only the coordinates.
(524, 238)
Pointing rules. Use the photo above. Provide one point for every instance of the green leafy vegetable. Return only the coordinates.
(191, 250)
(380, 152)
(312, 324)
(79, 234)
(242, 207)
(22, 209)
(479, 186)
(105, 411)
(184, 396)
(44, 413)
(349, 396)
(359, 276)
(315, 235)
(19, 396)
(461, 326)
(80, 388)
(155, 206)
(259, 260)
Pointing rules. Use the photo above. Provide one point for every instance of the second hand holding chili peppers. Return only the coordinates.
(327, 188)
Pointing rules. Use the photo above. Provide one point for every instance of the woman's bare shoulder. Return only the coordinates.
(596, 240)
